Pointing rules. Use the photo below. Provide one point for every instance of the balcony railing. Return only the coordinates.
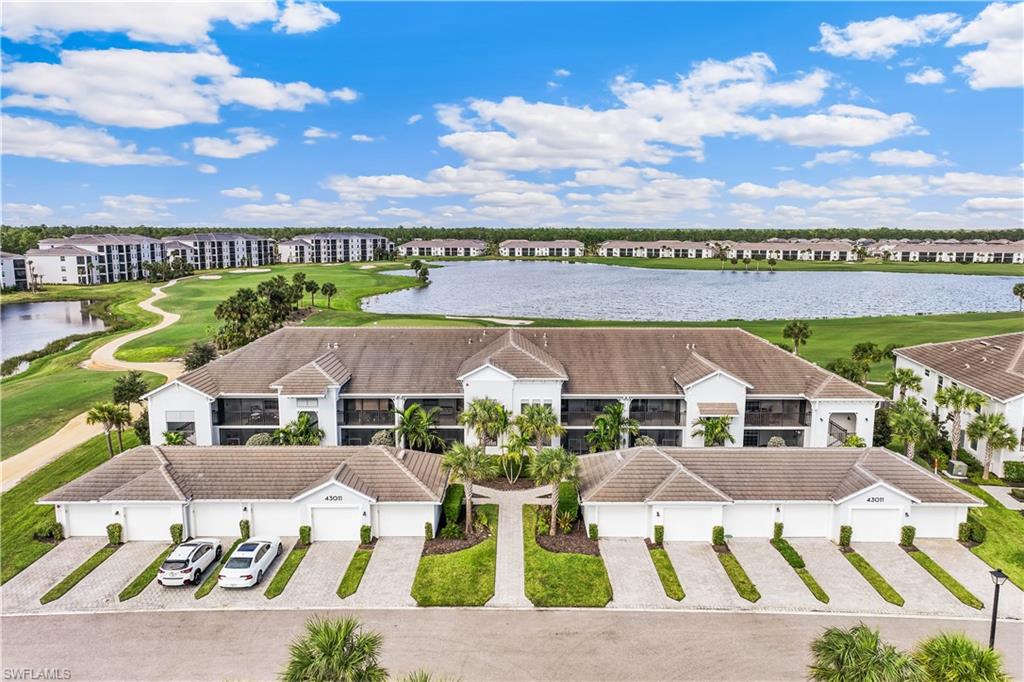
(656, 418)
(579, 418)
(756, 419)
(368, 418)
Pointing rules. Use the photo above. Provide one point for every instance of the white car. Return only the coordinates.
(249, 562)
(189, 560)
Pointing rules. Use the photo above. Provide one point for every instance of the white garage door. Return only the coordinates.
(403, 520)
(216, 519)
(150, 522)
(876, 525)
(936, 522)
(807, 520)
(749, 520)
(622, 521)
(688, 523)
(335, 523)
(275, 518)
(88, 519)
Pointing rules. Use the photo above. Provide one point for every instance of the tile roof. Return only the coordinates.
(443, 243)
(61, 251)
(213, 237)
(646, 474)
(315, 377)
(531, 244)
(993, 364)
(513, 353)
(257, 473)
(112, 239)
(717, 409)
(597, 361)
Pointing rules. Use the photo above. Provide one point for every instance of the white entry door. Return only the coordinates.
(335, 523)
(876, 525)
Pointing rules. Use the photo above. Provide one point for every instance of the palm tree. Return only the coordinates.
(610, 428)
(858, 655)
(997, 434)
(771, 264)
(466, 464)
(333, 651)
(955, 656)
(417, 427)
(106, 414)
(551, 466)
(714, 431)
(122, 417)
(854, 441)
(798, 332)
(541, 422)
(903, 379)
(1018, 291)
(517, 446)
(957, 400)
(312, 288)
(488, 418)
(302, 431)
(175, 438)
(329, 290)
(910, 425)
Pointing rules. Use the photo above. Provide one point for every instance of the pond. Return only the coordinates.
(604, 292)
(30, 326)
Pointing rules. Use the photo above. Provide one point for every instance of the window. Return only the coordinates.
(311, 403)
(247, 412)
(924, 401)
(940, 381)
(927, 372)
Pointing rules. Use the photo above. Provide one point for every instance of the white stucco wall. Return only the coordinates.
(326, 412)
(404, 519)
(748, 520)
(809, 520)
(937, 521)
(175, 397)
(149, 521)
(863, 411)
(686, 522)
(715, 389)
(618, 520)
(878, 497)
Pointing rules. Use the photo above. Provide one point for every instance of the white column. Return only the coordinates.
(399, 401)
(624, 437)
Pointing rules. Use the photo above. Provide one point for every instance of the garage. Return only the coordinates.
(404, 520)
(936, 521)
(807, 520)
(216, 519)
(87, 519)
(689, 523)
(749, 520)
(275, 518)
(876, 524)
(335, 523)
(622, 521)
(150, 522)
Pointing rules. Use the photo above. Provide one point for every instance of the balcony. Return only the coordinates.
(368, 418)
(657, 412)
(775, 413)
(247, 412)
(582, 412)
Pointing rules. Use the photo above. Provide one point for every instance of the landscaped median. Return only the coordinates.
(76, 576)
(561, 578)
(745, 587)
(460, 577)
(142, 581)
(287, 570)
(354, 573)
(796, 561)
(211, 578)
(667, 573)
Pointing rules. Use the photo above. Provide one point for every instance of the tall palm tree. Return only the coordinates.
(798, 332)
(957, 400)
(903, 379)
(329, 290)
(335, 651)
(488, 418)
(106, 414)
(541, 422)
(714, 431)
(517, 447)
(417, 427)
(467, 464)
(858, 655)
(122, 417)
(551, 466)
(312, 288)
(611, 427)
(955, 656)
(911, 425)
(302, 431)
(1018, 291)
(997, 434)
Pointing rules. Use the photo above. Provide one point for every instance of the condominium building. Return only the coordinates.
(15, 270)
(992, 366)
(333, 247)
(664, 248)
(220, 250)
(527, 248)
(443, 247)
(64, 265)
(121, 257)
(801, 249)
(1000, 251)
(354, 381)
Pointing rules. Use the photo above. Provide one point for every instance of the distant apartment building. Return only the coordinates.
(15, 270)
(333, 247)
(63, 265)
(121, 257)
(443, 247)
(527, 248)
(664, 248)
(211, 250)
(999, 251)
(804, 249)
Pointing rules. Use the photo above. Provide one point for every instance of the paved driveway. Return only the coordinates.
(315, 582)
(100, 588)
(921, 592)
(156, 596)
(22, 592)
(847, 590)
(703, 579)
(973, 573)
(249, 597)
(389, 575)
(778, 583)
(635, 581)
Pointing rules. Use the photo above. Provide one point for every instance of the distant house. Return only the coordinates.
(443, 247)
(528, 248)
(64, 265)
(999, 251)
(120, 257)
(15, 270)
(665, 248)
(210, 250)
(333, 247)
(803, 249)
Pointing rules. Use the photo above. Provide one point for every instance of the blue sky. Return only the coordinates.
(680, 115)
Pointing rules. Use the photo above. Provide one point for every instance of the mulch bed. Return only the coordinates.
(370, 545)
(652, 545)
(968, 543)
(449, 545)
(846, 550)
(721, 549)
(909, 549)
(575, 542)
(522, 483)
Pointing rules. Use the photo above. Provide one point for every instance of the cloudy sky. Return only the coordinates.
(256, 113)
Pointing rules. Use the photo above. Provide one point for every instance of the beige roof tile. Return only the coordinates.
(717, 409)
(993, 364)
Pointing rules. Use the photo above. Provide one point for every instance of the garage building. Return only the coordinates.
(747, 490)
(209, 490)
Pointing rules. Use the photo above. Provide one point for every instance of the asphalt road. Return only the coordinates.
(477, 644)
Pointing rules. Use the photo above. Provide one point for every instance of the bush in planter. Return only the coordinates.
(568, 500)
(177, 533)
(907, 534)
(365, 535)
(428, 530)
(49, 531)
(777, 532)
(718, 536)
(971, 530)
(565, 521)
(452, 504)
(845, 535)
(659, 534)
(56, 531)
(452, 531)
(114, 534)
(592, 531)
(1013, 471)
(543, 524)
(243, 528)
(305, 535)
(963, 532)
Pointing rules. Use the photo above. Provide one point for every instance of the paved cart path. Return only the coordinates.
(509, 575)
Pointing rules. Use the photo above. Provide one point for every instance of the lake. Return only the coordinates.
(604, 292)
(30, 326)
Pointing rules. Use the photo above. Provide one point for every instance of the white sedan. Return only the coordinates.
(189, 560)
(249, 562)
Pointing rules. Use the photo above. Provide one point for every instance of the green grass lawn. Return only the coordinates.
(20, 515)
(285, 573)
(946, 580)
(463, 578)
(667, 573)
(745, 587)
(560, 578)
(354, 573)
(76, 576)
(143, 580)
(210, 581)
(874, 578)
(1004, 543)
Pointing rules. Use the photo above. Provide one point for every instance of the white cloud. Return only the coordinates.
(664, 197)
(359, 137)
(611, 177)
(302, 212)
(134, 209)
(926, 76)
(786, 188)
(207, 168)
(347, 95)
(25, 214)
(399, 212)
(313, 133)
(947, 184)
(450, 116)
(966, 184)
(281, 196)
(444, 181)
(36, 138)
(304, 17)
(871, 207)
(832, 158)
(147, 89)
(553, 84)
(1013, 205)
(562, 73)
(415, 118)
(907, 158)
(246, 141)
(1000, 27)
(879, 38)
(243, 193)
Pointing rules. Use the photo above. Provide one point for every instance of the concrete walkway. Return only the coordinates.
(509, 578)
(779, 585)
(703, 579)
(77, 431)
(21, 593)
(846, 588)
(1002, 493)
(635, 581)
(922, 593)
(974, 574)
(388, 579)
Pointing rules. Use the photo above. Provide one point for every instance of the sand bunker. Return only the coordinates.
(495, 320)
(247, 270)
(209, 276)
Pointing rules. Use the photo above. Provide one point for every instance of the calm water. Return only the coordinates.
(604, 292)
(30, 326)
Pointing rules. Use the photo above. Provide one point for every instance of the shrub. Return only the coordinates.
(644, 441)
(777, 441)
(114, 534)
(971, 530)
(568, 500)
(177, 533)
(845, 535)
(452, 504)
(963, 532)
(261, 439)
(428, 530)
(592, 531)
(452, 531)
(305, 535)
(365, 535)
(659, 534)
(543, 523)
(50, 530)
(384, 437)
(243, 529)
(56, 531)
(718, 536)
(777, 532)
(907, 534)
(974, 467)
(565, 521)
(789, 553)
(1013, 471)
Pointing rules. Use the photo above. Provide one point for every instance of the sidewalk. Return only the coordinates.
(509, 588)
